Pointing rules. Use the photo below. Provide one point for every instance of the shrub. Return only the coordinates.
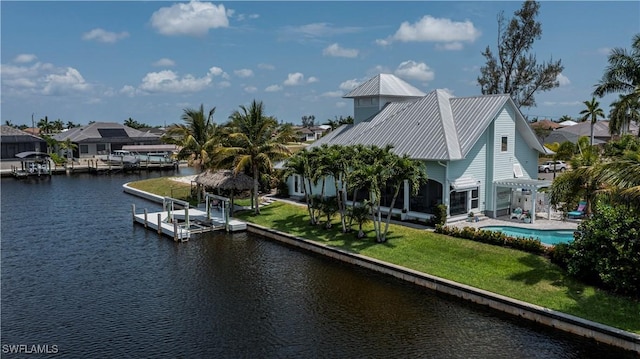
(559, 254)
(530, 245)
(282, 189)
(606, 249)
(440, 215)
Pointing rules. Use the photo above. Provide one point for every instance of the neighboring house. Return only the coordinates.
(14, 141)
(573, 133)
(478, 150)
(101, 138)
(307, 134)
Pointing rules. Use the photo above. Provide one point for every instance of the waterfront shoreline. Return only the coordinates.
(562, 321)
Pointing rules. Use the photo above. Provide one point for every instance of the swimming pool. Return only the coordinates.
(546, 236)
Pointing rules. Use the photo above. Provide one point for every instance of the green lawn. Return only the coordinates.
(508, 272)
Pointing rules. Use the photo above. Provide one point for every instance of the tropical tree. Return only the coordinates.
(57, 125)
(45, 126)
(298, 164)
(68, 146)
(198, 135)
(50, 141)
(565, 118)
(337, 162)
(592, 112)
(515, 70)
(623, 76)
(361, 214)
(71, 124)
(255, 143)
(623, 111)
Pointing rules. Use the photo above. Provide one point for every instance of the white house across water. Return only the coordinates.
(480, 153)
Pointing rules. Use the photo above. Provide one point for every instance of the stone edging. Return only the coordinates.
(565, 322)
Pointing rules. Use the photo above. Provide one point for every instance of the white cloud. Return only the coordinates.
(164, 62)
(312, 79)
(562, 103)
(273, 88)
(250, 89)
(431, 29)
(216, 71)
(194, 18)
(341, 104)
(68, 80)
(169, 81)
(415, 71)
(243, 73)
(316, 30)
(102, 35)
(563, 80)
(294, 79)
(337, 51)
(25, 58)
(266, 67)
(349, 85)
(224, 84)
(128, 90)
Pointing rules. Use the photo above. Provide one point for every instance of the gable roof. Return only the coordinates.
(384, 85)
(434, 127)
(105, 131)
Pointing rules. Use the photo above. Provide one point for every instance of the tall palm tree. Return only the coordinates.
(623, 76)
(45, 126)
(592, 112)
(256, 143)
(623, 73)
(623, 111)
(198, 135)
(298, 164)
(68, 146)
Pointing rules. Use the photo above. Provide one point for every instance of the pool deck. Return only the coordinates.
(541, 222)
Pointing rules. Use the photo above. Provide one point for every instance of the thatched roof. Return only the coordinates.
(225, 179)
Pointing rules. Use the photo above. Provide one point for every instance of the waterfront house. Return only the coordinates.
(308, 134)
(102, 138)
(14, 141)
(480, 153)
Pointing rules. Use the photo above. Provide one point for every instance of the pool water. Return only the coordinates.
(546, 236)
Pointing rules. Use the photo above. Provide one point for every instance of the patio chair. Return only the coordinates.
(517, 214)
(579, 212)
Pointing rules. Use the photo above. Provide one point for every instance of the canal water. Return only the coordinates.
(81, 280)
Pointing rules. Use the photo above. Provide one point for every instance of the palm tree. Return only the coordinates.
(298, 164)
(592, 112)
(256, 143)
(44, 125)
(57, 125)
(198, 135)
(623, 111)
(68, 146)
(361, 214)
(623, 76)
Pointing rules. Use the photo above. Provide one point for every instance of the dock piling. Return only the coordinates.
(133, 212)
(159, 224)
(145, 218)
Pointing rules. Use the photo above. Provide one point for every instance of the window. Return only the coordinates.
(297, 184)
(84, 148)
(504, 144)
(101, 147)
(474, 198)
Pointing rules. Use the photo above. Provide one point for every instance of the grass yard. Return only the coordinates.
(508, 272)
(164, 187)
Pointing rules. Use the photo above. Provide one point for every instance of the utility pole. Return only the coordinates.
(33, 124)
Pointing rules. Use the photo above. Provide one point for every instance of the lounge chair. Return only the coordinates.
(517, 214)
(579, 212)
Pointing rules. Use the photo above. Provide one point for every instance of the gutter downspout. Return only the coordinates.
(446, 195)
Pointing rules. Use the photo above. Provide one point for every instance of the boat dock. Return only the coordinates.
(181, 223)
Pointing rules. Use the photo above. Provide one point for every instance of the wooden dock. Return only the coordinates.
(181, 224)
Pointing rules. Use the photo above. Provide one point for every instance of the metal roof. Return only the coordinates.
(385, 85)
(434, 127)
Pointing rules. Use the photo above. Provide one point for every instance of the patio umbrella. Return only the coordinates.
(225, 180)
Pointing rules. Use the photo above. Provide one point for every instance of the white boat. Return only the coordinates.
(121, 157)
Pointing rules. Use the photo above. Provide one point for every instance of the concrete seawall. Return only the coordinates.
(565, 322)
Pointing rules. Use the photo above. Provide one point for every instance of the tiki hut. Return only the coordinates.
(225, 180)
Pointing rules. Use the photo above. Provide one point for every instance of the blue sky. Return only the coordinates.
(109, 61)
